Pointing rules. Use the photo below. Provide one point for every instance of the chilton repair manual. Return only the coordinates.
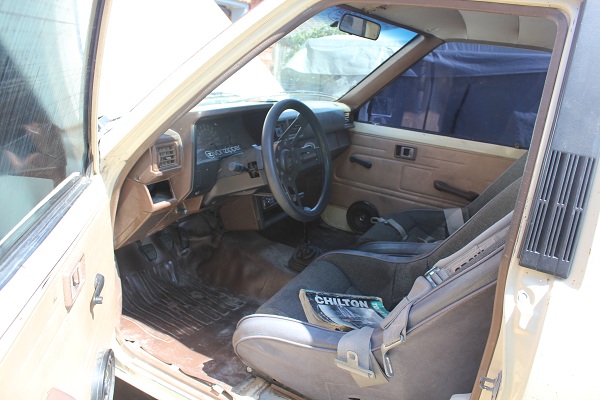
(340, 311)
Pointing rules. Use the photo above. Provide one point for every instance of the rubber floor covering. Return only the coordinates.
(201, 317)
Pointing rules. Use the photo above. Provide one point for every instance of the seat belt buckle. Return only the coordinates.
(433, 276)
(387, 363)
(351, 365)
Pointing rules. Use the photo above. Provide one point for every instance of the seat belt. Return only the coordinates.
(454, 219)
(447, 267)
(356, 357)
(395, 324)
(354, 349)
(391, 223)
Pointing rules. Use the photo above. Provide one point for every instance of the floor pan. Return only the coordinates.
(181, 304)
(202, 318)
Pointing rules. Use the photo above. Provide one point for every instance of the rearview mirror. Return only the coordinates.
(359, 26)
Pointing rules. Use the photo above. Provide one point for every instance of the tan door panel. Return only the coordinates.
(53, 331)
(394, 183)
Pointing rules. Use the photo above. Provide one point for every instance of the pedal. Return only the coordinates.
(148, 250)
(184, 239)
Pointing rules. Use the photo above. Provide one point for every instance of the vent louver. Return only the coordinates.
(167, 157)
(348, 118)
(554, 224)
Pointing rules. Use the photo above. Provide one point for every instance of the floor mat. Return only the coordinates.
(201, 317)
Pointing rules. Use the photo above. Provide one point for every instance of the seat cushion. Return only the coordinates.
(420, 225)
(319, 275)
(350, 272)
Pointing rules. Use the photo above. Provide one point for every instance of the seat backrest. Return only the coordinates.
(446, 336)
(492, 212)
(512, 173)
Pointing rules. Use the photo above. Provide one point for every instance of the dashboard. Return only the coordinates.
(211, 157)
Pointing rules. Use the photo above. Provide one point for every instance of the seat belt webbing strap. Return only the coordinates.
(444, 270)
(391, 223)
(454, 219)
(355, 356)
(394, 325)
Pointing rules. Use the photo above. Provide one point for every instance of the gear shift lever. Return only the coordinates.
(305, 253)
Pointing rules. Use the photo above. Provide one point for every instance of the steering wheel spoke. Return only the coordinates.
(295, 131)
(293, 154)
(308, 157)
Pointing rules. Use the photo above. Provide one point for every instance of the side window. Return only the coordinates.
(42, 105)
(470, 91)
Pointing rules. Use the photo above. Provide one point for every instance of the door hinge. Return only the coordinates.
(491, 385)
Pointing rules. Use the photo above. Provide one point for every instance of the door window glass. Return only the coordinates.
(42, 103)
(469, 91)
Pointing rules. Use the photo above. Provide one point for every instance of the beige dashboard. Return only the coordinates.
(188, 168)
(153, 194)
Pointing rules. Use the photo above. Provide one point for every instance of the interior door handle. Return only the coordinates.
(405, 152)
(364, 163)
(98, 286)
(465, 194)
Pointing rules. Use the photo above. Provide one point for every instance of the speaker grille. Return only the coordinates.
(359, 216)
(554, 225)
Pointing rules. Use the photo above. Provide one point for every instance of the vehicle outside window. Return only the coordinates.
(42, 108)
(469, 91)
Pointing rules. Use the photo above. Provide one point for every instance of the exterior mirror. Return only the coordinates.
(359, 26)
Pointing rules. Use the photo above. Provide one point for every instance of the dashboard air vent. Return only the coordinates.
(167, 157)
(348, 119)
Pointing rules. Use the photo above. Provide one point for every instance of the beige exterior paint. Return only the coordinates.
(542, 314)
(49, 346)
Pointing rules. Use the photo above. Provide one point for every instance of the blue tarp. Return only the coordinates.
(477, 92)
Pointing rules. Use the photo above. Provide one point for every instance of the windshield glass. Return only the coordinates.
(316, 61)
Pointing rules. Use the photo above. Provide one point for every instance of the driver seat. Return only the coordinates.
(429, 347)
(393, 233)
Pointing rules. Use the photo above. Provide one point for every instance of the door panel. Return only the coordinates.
(394, 184)
(47, 344)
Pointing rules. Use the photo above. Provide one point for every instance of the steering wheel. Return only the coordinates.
(286, 158)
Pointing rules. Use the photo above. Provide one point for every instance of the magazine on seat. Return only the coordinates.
(340, 311)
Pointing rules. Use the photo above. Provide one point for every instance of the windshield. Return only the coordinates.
(316, 61)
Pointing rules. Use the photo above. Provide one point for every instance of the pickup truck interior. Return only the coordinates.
(388, 163)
